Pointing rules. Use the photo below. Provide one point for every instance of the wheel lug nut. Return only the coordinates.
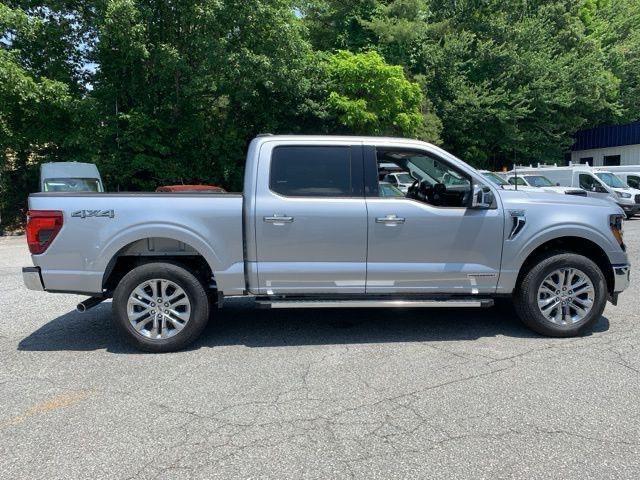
(166, 304)
(153, 312)
(153, 304)
(159, 300)
(166, 311)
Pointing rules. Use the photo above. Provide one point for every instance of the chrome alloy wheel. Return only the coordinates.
(158, 309)
(566, 296)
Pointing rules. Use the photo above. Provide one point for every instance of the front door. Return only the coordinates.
(311, 219)
(430, 241)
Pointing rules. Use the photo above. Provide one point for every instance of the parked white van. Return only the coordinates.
(621, 188)
(542, 183)
(580, 176)
(70, 177)
(629, 174)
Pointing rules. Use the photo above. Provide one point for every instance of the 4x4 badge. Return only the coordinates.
(93, 213)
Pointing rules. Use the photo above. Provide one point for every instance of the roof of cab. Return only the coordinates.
(69, 170)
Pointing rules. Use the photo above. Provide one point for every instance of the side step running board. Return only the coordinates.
(446, 303)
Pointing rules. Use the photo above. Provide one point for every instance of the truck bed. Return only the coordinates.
(97, 227)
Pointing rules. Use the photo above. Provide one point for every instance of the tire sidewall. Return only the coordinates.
(555, 262)
(184, 279)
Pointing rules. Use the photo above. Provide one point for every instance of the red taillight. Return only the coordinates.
(42, 228)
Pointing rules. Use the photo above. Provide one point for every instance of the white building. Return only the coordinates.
(608, 146)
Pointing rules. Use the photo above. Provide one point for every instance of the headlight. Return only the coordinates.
(623, 195)
(616, 222)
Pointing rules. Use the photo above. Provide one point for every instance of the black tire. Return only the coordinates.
(180, 276)
(629, 215)
(525, 296)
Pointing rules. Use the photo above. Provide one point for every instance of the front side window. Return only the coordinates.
(591, 184)
(311, 171)
(426, 178)
(517, 181)
(633, 181)
(538, 181)
(610, 179)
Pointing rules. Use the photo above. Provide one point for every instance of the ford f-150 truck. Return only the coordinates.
(311, 230)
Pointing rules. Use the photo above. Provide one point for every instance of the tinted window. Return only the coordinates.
(633, 181)
(311, 171)
(587, 182)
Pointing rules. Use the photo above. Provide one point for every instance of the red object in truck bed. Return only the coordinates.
(191, 188)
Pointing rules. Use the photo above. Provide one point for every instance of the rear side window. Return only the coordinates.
(311, 171)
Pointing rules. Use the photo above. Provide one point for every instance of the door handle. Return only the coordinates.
(278, 219)
(390, 220)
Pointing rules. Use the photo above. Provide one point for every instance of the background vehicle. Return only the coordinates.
(622, 190)
(581, 176)
(629, 174)
(543, 183)
(191, 189)
(312, 231)
(401, 180)
(70, 177)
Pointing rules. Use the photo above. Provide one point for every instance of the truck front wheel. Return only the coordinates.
(160, 307)
(561, 295)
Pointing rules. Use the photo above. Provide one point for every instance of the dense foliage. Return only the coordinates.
(172, 91)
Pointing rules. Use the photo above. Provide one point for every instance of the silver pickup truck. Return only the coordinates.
(312, 230)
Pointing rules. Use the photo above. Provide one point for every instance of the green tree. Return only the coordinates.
(367, 96)
(34, 115)
(510, 81)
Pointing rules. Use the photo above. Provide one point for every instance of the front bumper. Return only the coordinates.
(32, 278)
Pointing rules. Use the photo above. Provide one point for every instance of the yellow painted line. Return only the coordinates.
(54, 403)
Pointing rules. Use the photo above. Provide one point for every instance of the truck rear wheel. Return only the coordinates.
(160, 307)
(562, 295)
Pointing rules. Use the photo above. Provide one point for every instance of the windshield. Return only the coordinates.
(72, 185)
(404, 178)
(497, 179)
(538, 181)
(610, 179)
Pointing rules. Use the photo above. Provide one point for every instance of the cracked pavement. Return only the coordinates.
(316, 394)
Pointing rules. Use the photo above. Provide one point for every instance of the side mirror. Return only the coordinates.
(482, 197)
(557, 184)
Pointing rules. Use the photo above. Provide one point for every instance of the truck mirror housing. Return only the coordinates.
(482, 197)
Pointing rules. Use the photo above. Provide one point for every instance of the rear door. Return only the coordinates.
(310, 219)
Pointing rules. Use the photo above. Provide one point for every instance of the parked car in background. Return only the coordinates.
(630, 178)
(401, 180)
(580, 176)
(191, 189)
(622, 190)
(543, 183)
(629, 174)
(70, 177)
(526, 186)
(310, 230)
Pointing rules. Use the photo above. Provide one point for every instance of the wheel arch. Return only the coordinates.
(571, 244)
(136, 248)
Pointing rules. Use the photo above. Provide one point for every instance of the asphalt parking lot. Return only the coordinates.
(316, 394)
